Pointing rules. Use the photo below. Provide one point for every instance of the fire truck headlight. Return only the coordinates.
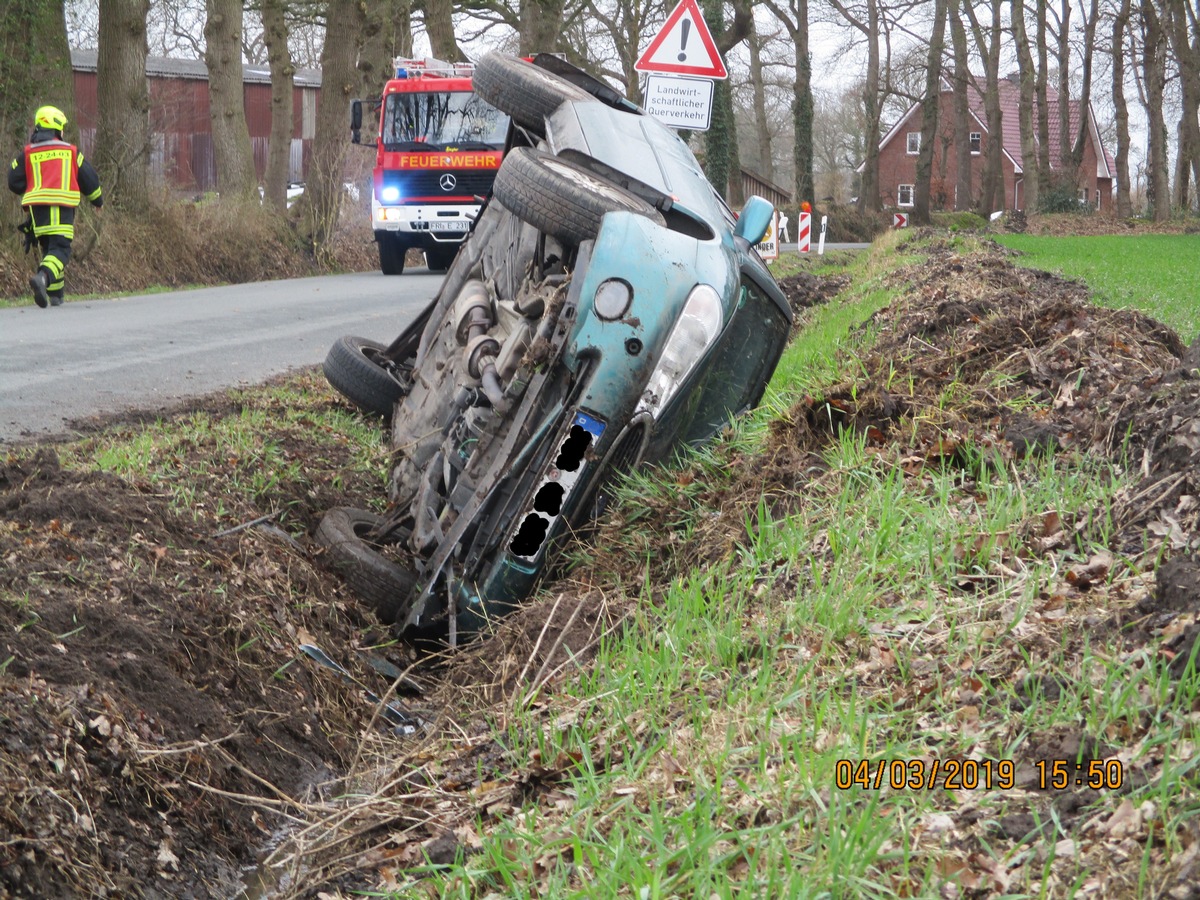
(390, 194)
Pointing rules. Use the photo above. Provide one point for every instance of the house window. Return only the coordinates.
(1083, 196)
(976, 141)
(914, 142)
(1097, 198)
(904, 195)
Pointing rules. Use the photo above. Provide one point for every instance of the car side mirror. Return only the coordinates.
(356, 121)
(754, 221)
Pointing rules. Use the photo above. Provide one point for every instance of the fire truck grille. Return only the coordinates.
(429, 183)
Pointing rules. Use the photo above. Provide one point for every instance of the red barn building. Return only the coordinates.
(181, 139)
(899, 147)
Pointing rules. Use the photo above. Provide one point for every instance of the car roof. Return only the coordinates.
(639, 146)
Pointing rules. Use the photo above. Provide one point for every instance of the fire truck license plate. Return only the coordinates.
(447, 226)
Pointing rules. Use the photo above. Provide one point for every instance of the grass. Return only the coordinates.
(889, 618)
(1155, 273)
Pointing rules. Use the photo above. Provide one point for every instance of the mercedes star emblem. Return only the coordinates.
(447, 182)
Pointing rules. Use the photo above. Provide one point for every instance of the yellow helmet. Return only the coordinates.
(50, 117)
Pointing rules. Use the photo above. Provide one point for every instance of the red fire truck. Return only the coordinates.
(438, 150)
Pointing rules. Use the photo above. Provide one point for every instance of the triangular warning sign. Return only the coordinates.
(684, 46)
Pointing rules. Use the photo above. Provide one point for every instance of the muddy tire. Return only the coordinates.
(385, 586)
(391, 253)
(350, 367)
(559, 197)
(526, 92)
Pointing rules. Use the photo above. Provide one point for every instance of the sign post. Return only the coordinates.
(680, 63)
(804, 233)
(821, 240)
(900, 220)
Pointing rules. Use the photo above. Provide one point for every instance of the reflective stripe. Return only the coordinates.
(54, 266)
(55, 226)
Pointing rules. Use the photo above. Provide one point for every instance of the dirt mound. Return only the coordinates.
(154, 716)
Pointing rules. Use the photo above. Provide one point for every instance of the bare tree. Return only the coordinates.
(232, 153)
(1120, 27)
(1041, 87)
(930, 105)
(1029, 164)
(339, 84)
(35, 66)
(275, 38)
(1184, 34)
(867, 21)
(1154, 76)
(762, 128)
(439, 28)
(1083, 135)
(963, 189)
(987, 41)
(123, 103)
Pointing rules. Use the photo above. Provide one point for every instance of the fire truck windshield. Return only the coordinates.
(458, 120)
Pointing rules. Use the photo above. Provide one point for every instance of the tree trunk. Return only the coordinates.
(1181, 29)
(991, 195)
(1158, 187)
(339, 85)
(541, 26)
(762, 128)
(963, 187)
(930, 107)
(868, 196)
(802, 109)
(1041, 89)
(1029, 162)
(233, 155)
(1120, 24)
(35, 68)
(721, 131)
(279, 154)
(1064, 80)
(1085, 93)
(122, 150)
(439, 27)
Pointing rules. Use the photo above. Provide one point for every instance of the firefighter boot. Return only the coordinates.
(38, 283)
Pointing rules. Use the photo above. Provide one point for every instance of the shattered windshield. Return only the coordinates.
(442, 121)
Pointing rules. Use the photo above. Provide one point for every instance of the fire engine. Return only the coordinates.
(436, 155)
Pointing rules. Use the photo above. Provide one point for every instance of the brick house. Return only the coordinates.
(899, 147)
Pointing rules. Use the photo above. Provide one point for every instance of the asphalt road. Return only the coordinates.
(89, 358)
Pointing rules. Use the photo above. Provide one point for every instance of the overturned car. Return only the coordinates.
(607, 309)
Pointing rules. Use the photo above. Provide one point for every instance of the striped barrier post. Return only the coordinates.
(804, 233)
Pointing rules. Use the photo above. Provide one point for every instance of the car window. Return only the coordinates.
(737, 371)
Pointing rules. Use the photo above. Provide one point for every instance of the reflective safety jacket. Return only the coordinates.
(51, 174)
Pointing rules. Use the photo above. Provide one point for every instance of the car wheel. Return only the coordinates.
(351, 368)
(386, 586)
(391, 253)
(439, 258)
(559, 197)
(526, 92)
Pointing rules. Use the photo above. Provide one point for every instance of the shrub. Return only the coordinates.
(183, 242)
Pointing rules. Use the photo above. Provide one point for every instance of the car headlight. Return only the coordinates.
(612, 299)
(697, 327)
(390, 194)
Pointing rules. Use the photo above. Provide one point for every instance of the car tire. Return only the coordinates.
(351, 369)
(385, 586)
(560, 198)
(391, 253)
(526, 92)
(438, 259)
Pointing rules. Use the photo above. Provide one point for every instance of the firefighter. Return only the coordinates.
(51, 176)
